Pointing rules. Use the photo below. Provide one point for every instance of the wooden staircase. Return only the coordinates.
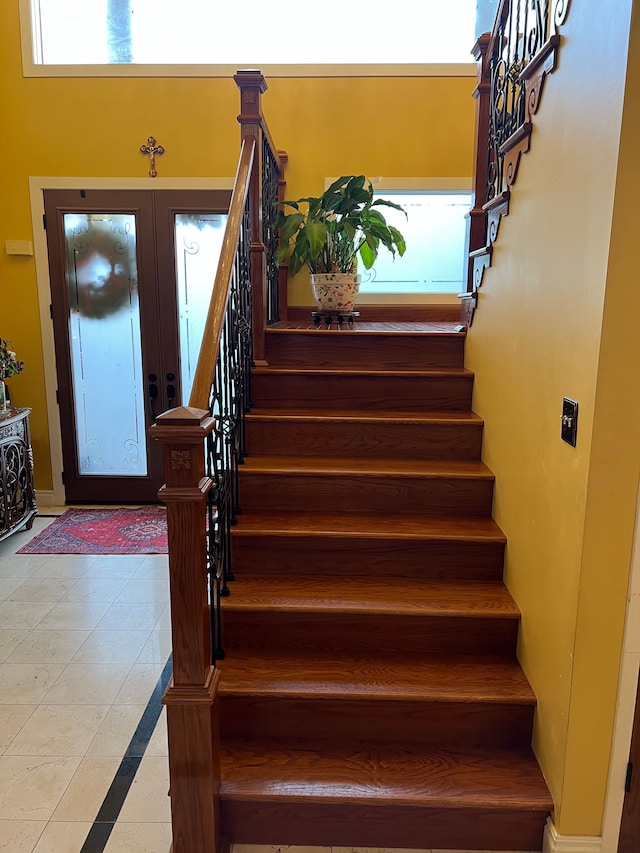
(370, 693)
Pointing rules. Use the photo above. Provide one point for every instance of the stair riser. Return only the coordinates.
(373, 440)
(314, 630)
(372, 352)
(464, 723)
(343, 556)
(410, 495)
(371, 393)
(377, 825)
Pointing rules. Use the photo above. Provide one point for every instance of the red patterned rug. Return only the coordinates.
(103, 531)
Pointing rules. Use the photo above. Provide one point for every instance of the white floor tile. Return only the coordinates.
(127, 616)
(9, 585)
(81, 614)
(112, 647)
(116, 730)
(24, 614)
(139, 838)
(59, 730)
(96, 589)
(157, 648)
(20, 836)
(63, 837)
(12, 719)
(31, 786)
(83, 797)
(148, 798)
(87, 684)
(10, 639)
(139, 684)
(27, 683)
(48, 646)
(43, 589)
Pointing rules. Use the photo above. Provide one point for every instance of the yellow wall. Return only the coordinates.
(94, 127)
(539, 334)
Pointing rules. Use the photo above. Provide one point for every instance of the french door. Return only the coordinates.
(131, 275)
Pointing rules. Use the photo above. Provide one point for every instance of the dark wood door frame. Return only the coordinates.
(156, 268)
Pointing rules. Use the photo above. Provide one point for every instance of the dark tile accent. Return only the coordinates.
(107, 816)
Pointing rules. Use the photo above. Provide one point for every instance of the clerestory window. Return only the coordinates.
(375, 34)
(435, 232)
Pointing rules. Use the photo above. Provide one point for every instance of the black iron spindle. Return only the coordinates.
(521, 31)
(226, 444)
(270, 176)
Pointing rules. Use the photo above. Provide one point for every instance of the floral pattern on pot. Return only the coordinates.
(335, 291)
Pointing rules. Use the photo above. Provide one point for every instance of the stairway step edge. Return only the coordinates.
(361, 331)
(280, 370)
(452, 679)
(417, 775)
(362, 594)
(365, 466)
(372, 416)
(472, 529)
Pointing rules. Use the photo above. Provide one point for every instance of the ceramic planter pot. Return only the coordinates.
(335, 291)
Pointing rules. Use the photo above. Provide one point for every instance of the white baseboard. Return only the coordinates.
(555, 843)
(45, 497)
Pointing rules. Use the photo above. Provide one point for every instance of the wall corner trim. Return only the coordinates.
(556, 843)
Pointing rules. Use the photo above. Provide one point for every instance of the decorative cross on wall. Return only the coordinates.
(152, 149)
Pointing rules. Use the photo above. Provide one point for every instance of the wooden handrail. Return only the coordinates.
(203, 376)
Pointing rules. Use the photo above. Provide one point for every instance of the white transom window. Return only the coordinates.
(249, 34)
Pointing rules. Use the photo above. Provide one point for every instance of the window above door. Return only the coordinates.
(146, 38)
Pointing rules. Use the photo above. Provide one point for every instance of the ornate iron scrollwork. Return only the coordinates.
(226, 445)
(523, 29)
(270, 179)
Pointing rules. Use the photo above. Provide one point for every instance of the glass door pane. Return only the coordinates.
(198, 241)
(105, 343)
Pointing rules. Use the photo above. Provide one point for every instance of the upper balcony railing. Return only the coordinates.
(513, 61)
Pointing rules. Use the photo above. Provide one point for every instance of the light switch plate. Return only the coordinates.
(569, 427)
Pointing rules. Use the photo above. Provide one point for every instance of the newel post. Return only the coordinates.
(482, 95)
(191, 698)
(252, 86)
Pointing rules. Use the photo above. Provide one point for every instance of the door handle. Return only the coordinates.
(152, 390)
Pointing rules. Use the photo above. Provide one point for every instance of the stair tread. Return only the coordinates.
(286, 370)
(417, 775)
(407, 327)
(342, 465)
(365, 415)
(362, 594)
(344, 524)
(435, 678)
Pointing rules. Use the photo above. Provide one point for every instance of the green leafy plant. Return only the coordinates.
(335, 229)
(9, 363)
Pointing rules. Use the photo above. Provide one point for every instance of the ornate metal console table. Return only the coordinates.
(17, 495)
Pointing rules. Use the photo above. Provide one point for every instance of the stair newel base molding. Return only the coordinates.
(191, 698)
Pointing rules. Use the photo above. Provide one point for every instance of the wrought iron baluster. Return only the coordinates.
(229, 402)
(270, 175)
(520, 33)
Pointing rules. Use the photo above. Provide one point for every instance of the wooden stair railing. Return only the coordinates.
(203, 444)
(513, 62)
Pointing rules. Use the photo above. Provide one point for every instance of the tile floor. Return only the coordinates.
(84, 644)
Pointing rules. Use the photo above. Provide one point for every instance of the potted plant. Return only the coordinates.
(10, 365)
(332, 234)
